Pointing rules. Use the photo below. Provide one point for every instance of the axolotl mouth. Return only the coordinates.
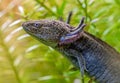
(53, 31)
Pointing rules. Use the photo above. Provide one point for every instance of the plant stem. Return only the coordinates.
(86, 13)
(80, 4)
(84, 8)
(43, 5)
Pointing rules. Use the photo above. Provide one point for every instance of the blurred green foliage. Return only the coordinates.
(25, 60)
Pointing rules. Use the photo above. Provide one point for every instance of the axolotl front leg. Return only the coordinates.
(74, 54)
(79, 60)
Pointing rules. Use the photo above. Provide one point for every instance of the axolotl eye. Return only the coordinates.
(36, 24)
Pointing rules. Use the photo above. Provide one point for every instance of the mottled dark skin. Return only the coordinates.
(84, 50)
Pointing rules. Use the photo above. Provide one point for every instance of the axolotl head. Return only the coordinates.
(53, 33)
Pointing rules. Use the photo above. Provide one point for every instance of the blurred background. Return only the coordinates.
(25, 60)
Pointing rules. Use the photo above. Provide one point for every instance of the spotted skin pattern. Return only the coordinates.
(87, 52)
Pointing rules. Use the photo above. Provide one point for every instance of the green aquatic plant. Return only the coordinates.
(25, 60)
